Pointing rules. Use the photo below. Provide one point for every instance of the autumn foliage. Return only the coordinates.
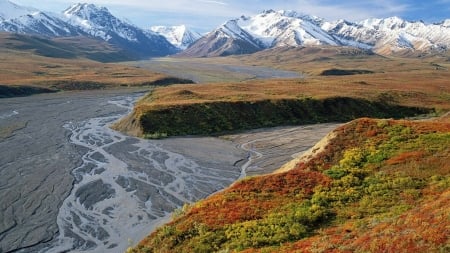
(378, 186)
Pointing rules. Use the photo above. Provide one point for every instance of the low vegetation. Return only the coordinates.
(377, 185)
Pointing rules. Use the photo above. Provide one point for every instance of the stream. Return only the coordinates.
(114, 189)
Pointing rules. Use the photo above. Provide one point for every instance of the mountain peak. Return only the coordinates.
(100, 23)
(445, 23)
(86, 11)
(269, 11)
(179, 36)
(10, 10)
(391, 23)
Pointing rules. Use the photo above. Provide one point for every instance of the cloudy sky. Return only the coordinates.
(204, 15)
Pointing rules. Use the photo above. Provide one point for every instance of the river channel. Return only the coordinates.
(68, 183)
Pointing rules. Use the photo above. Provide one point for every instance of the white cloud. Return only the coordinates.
(212, 2)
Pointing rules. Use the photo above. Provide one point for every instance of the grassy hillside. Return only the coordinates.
(377, 185)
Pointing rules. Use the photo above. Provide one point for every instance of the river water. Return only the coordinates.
(70, 183)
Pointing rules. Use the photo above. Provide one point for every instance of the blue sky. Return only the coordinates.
(205, 15)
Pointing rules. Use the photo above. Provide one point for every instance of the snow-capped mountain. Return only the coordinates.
(179, 36)
(99, 22)
(27, 20)
(391, 35)
(286, 28)
(272, 29)
(84, 20)
(9, 10)
(267, 30)
(228, 39)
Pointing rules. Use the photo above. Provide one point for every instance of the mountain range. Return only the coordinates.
(244, 35)
(272, 29)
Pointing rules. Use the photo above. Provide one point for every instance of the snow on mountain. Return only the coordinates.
(9, 10)
(446, 23)
(27, 20)
(272, 29)
(392, 34)
(86, 20)
(228, 39)
(179, 36)
(286, 28)
(39, 23)
(267, 30)
(100, 23)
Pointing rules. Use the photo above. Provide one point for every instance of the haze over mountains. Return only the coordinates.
(270, 29)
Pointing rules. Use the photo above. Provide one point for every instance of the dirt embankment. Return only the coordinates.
(221, 117)
(129, 125)
(21, 91)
